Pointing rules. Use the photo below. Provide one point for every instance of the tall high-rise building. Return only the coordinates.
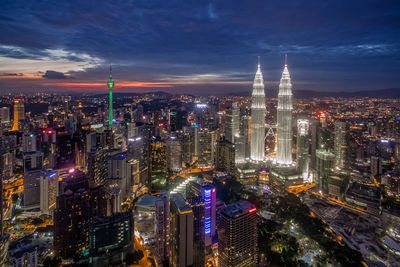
(376, 166)
(302, 147)
(76, 204)
(162, 228)
(237, 235)
(110, 85)
(233, 123)
(340, 144)
(225, 156)
(4, 115)
(110, 239)
(198, 209)
(210, 200)
(205, 146)
(325, 165)
(257, 144)
(29, 143)
(181, 231)
(48, 192)
(19, 114)
(174, 154)
(284, 123)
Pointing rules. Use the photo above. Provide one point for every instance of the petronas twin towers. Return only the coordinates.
(284, 121)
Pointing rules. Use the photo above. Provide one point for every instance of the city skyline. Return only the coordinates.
(211, 47)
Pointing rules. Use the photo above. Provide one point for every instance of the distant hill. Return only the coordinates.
(383, 93)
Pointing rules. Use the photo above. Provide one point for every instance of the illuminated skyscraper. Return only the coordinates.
(181, 232)
(257, 117)
(237, 235)
(285, 106)
(340, 144)
(110, 85)
(19, 114)
(302, 147)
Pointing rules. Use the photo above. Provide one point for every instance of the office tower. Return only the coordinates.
(91, 142)
(136, 148)
(188, 145)
(284, 123)
(237, 235)
(158, 158)
(240, 149)
(181, 230)
(205, 146)
(245, 127)
(48, 192)
(133, 131)
(174, 154)
(162, 228)
(75, 205)
(135, 172)
(376, 166)
(198, 209)
(314, 142)
(65, 157)
(4, 115)
(32, 161)
(340, 144)
(210, 200)
(232, 127)
(302, 147)
(19, 114)
(32, 188)
(29, 143)
(324, 167)
(110, 85)
(257, 145)
(225, 156)
(119, 172)
(110, 239)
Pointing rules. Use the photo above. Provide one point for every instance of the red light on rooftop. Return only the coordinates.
(160, 125)
(50, 132)
(44, 131)
(252, 210)
(322, 115)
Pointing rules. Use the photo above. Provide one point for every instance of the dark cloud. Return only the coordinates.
(331, 44)
(11, 74)
(51, 74)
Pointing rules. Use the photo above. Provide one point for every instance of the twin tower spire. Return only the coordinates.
(284, 118)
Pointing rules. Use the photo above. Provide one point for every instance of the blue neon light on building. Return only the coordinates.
(207, 202)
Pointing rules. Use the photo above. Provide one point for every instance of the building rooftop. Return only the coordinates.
(180, 203)
(242, 207)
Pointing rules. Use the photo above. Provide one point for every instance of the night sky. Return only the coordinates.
(200, 47)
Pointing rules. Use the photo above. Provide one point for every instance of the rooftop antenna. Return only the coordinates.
(285, 59)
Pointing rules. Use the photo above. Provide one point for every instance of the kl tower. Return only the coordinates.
(110, 85)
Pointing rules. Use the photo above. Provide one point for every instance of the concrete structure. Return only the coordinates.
(257, 145)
